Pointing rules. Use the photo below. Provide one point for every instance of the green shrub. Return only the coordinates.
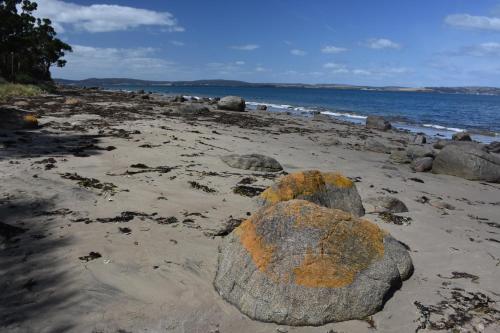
(8, 90)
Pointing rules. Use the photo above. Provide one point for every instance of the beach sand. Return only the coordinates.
(152, 233)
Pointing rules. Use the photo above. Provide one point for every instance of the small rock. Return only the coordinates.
(422, 164)
(377, 122)
(461, 136)
(400, 157)
(385, 204)
(493, 147)
(261, 108)
(419, 139)
(255, 162)
(232, 103)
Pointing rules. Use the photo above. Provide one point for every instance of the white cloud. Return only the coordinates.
(482, 50)
(361, 72)
(332, 65)
(246, 47)
(298, 52)
(177, 43)
(382, 43)
(240, 63)
(261, 69)
(336, 68)
(473, 22)
(102, 17)
(333, 49)
(88, 61)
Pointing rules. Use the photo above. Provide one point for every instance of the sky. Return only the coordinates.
(361, 42)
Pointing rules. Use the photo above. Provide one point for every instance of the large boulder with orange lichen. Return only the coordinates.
(329, 189)
(297, 263)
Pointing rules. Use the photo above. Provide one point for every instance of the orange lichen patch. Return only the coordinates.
(303, 183)
(31, 120)
(338, 180)
(306, 214)
(260, 252)
(347, 248)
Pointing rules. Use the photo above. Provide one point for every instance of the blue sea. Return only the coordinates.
(432, 113)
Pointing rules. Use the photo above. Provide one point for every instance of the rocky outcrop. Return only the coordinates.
(469, 161)
(328, 189)
(385, 205)
(377, 122)
(255, 162)
(297, 263)
(11, 118)
(231, 103)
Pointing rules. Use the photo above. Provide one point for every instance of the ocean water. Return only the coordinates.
(431, 113)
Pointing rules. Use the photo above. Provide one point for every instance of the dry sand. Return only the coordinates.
(156, 276)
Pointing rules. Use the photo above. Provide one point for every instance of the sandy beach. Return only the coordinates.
(118, 203)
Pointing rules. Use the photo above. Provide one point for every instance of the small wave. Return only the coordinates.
(191, 97)
(340, 114)
(282, 106)
(439, 127)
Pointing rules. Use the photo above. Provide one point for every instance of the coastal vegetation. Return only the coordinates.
(8, 90)
(28, 45)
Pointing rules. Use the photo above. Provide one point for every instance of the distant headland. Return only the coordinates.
(234, 83)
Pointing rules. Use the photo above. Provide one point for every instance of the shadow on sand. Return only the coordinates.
(40, 143)
(32, 278)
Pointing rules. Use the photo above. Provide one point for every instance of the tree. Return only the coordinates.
(28, 46)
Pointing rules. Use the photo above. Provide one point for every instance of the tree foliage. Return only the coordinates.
(28, 45)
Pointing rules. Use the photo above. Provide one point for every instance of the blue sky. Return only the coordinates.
(384, 42)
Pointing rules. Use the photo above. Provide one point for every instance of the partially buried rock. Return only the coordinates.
(400, 157)
(461, 136)
(11, 118)
(232, 103)
(255, 162)
(468, 161)
(297, 263)
(385, 204)
(376, 146)
(195, 108)
(493, 147)
(328, 189)
(422, 164)
(261, 107)
(377, 122)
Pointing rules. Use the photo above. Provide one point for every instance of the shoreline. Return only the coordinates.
(434, 130)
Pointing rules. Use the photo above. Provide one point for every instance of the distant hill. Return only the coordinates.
(95, 82)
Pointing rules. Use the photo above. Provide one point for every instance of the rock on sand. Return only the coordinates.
(232, 103)
(297, 263)
(468, 161)
(255, 162)
(328, 189)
